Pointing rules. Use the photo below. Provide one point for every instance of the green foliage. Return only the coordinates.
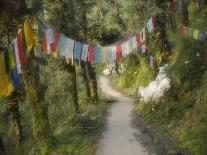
(136, 73)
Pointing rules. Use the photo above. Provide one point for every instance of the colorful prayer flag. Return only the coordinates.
(84, 54)
(195, 34)
(91, 54)
(29, 36)
(104, 54)
(97, 55)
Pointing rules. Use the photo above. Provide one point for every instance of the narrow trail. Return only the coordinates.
(120, 137)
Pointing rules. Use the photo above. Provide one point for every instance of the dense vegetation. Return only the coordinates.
(65, 111)
(182, 111)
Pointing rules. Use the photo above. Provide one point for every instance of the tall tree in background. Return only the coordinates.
(36, 97)
(83, 37)
(62, 16)
(184, 12)
(160, 24)
(13, 109)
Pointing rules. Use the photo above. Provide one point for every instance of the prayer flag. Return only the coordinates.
(78, 50)
(97, 55)
(17, 60)
(20, 49)
(104, 54)
(29, 36)
(84, 54)
(195, 34)
(202, 36)
(91, 54)
(118, 52)
(5, 82)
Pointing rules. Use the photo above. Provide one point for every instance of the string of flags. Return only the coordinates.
(175, 5)
(60, 46)
(195, 34)
(13, 58)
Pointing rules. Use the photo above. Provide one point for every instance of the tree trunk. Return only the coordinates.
(184, 13)
(85, 78)
(13, 108)
(92, 75)
(36, 97)
(83, 36)
(2, 149)
(73, 87)
(117, 68)
(160, 24)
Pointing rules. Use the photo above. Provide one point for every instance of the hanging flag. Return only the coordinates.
(98, 55)
(5, 82)
(195, 34)
(130, 44)
(54, 45)
(14, 74)
(152, 23)
(143, 35)
(202, 36)
(104, 54)
(66, 48)
(42, 27)
(24, 44)
(48, 41)
(125, 48)
(143, 48)
(138, 38)
(84, 54)
(91, 54)
(17, 60)
(20, 49)
(118, 52)
(78, 50)
(109, 55)
(184, 30)
(29, 36)
(134, 40)
(113, 54)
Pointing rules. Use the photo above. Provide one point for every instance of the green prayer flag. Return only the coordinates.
(6, 61)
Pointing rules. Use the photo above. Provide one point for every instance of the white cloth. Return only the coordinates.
(50, 38)
(70, 47)
(134, 42)
(143, 35)
(84, 54)
(143, 48)
(17, 56)
(125, 48)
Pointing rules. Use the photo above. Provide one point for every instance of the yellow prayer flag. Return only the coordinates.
(55, 55)
(6, 86)
(11, 59)
(104, 54)
(29, 36)
(195, 34)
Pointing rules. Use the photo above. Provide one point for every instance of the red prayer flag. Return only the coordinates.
(91, 54)
(44, 43)
(138, 40)
(118, 52)
(20, 49)
(55, 44)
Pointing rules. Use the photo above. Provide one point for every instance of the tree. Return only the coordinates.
(36, 97)
(2, 149)
(184, 12)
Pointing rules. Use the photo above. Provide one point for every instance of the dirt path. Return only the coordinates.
(120, 138)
